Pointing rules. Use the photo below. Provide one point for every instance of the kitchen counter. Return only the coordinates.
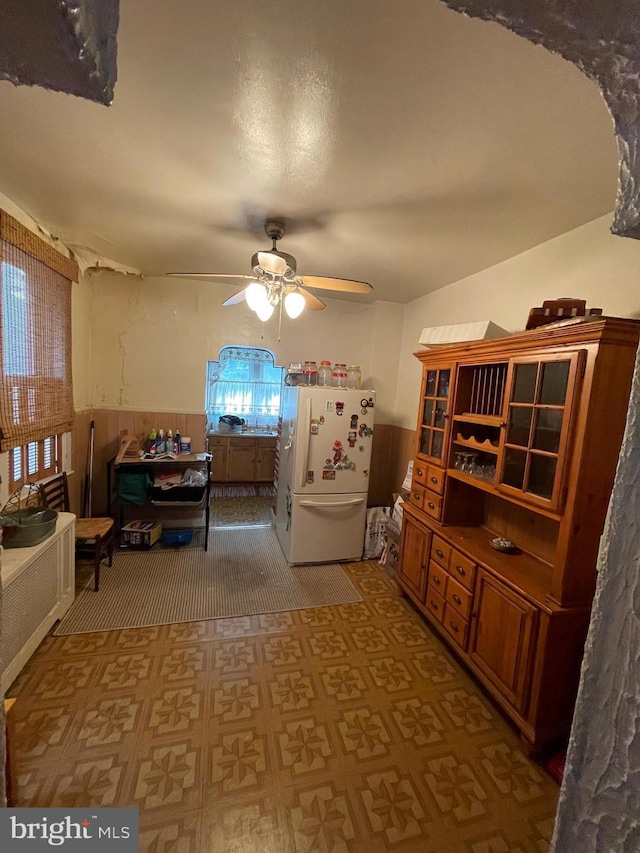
(249, 433)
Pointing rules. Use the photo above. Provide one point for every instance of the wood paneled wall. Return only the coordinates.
(109, 427)
(391, 452)
(393, 447)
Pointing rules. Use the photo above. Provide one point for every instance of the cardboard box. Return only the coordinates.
(140, 534)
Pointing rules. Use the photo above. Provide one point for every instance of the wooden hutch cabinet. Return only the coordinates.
(517, 438)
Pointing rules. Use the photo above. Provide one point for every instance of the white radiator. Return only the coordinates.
(37, 590)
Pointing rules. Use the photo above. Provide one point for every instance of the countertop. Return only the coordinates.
(248, 433)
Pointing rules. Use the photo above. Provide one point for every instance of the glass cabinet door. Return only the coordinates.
(434, 415)
(538, 411)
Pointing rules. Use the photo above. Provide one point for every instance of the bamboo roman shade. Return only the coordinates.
(36, 392)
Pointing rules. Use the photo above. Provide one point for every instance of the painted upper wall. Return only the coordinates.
(587, 263)
(151, 339)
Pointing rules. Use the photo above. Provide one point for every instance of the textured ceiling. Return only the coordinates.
(406, 144)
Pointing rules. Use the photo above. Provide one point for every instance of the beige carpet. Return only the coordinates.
(243, 573)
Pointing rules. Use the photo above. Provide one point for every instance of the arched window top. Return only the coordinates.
(244, 381)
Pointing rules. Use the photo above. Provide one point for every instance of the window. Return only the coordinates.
(35, 461)
(36, 394)
(244, 381)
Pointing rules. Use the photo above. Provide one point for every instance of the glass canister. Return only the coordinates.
(339, 375)
(354, 377)
(325, 373)
(310, 373)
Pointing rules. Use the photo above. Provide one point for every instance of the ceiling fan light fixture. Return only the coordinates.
(294, 304)
(264, 310)
(256, 294)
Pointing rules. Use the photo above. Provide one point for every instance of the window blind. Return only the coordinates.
(36, 392)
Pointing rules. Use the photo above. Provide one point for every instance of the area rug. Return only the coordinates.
(243, 573)
(241, 491)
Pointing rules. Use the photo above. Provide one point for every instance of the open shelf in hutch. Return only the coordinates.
(517, 438)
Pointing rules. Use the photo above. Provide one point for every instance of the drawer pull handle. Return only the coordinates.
(431, 505)
(436, 581)
(460, 571)
(434, 480)
(416, 496)
(454, 627)
(439, 553)
(434, 604)
(420, 472)
(457, 599)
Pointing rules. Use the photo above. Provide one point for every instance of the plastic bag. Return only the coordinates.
(377, 520)
(194, 477)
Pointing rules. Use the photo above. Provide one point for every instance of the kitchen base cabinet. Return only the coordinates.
(242, 459)
(517, 439)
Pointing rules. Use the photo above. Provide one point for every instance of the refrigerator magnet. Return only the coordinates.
(339, 408)
(328, 475)
(354, 422)
(352, 438)
(321, 420)
(314, 427)
(310, 477)
(363, 430)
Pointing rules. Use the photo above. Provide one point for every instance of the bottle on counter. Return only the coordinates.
(161, 444)
(325, 373)
(354, 376)
(176, 442)
(151, 441)
(169, 442)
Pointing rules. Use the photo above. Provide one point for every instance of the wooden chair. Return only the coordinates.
(93, 535)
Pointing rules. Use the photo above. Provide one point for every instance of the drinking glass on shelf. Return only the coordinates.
(458, 461)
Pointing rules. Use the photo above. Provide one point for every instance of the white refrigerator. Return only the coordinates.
(323, 473)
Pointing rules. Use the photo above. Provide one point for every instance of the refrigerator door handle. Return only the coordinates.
(306, 430)
(353, 502)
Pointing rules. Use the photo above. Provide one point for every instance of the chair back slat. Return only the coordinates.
(55, 493)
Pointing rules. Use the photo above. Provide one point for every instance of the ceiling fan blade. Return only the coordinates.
(346, 285)
(312, 302)
(238, 297)
(219, 275)
(272, 263)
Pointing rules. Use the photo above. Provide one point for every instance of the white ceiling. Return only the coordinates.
(406, 144)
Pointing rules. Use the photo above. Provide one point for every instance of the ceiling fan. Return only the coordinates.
(275, 281)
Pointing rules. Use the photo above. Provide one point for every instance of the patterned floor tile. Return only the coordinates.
(171, 831)
(349, 729)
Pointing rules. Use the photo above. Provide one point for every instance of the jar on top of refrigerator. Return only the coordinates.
(325, 373)
(354, 377)
(310, 373)
(339, 376)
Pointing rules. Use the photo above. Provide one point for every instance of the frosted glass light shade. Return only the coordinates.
(264, 310)
(255, 294)
(294, 304)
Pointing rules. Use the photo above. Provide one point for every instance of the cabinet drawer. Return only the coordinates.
(436, 603)
(431, 504)
(217, 441)
(462, 569)
(438, 578)
(456, 627)
(416, 496)
(440, 551)
(241, 442)
(420, 473)
(435, 479)
(458, 597)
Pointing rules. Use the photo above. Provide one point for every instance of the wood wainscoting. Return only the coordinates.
(110, 426)
(393, 447)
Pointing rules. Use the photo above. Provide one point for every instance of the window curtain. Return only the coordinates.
(244, 381)
(36, 390)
